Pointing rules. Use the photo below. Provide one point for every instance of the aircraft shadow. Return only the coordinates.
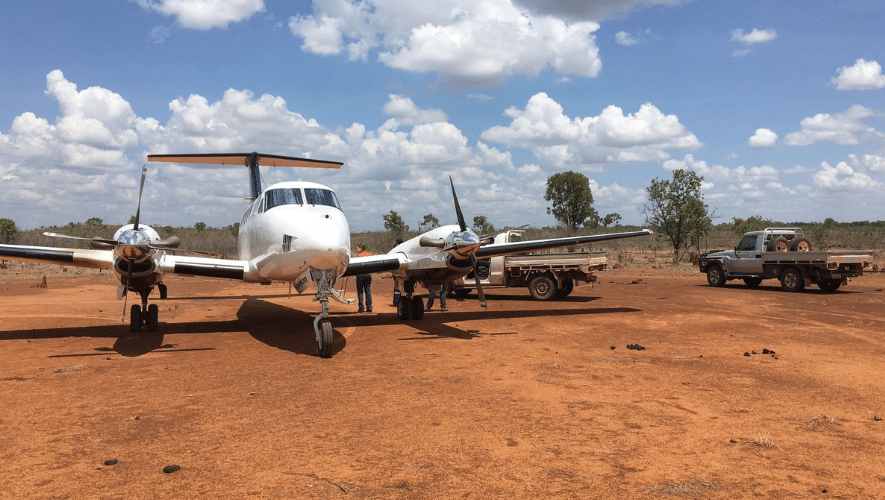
(517, 298)
(436, 324)
(274, 325)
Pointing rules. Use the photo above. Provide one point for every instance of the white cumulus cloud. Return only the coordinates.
(612, 137)
(763, 138)
(864, 75)
(205, 14)
(842, 177)
(470, 43)
(846, 128)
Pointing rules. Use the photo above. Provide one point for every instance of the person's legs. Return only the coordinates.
(442, 300)
(368, 294)
(430, 298)
(359, 292)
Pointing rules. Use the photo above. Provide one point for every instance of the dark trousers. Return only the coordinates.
(364, 285)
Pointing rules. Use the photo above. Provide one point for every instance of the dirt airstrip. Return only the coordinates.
(527, 400)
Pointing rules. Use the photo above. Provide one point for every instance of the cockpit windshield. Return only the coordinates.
(315, 196)
(285, 196)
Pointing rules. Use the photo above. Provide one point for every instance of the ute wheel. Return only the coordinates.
(830, 285)
(542, 287)
(462, 292)
(417, 308)
(135, 318)
(152, 318)
(792, 280)
(752, 282)
(779, 244)
(324, 343)
(567, 287)
(715, 277)
(404, 308)
(801, 245)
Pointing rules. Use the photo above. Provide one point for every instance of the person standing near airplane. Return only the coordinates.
(364, 282)
(442, 298)
(396, 291)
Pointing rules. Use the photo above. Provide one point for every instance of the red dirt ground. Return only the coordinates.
(526, 400)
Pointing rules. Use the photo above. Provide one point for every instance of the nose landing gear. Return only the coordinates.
(144, 315)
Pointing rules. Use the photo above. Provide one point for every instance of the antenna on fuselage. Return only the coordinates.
(251, 160)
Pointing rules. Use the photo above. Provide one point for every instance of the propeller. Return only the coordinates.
(463, 225)
(131, 261)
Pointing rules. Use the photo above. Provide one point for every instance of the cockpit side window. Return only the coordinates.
(315, 196)
(286, 196)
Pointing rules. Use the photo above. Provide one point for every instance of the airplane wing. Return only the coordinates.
(494, 250)
(95, 259)
(371, 264)
(204, 266)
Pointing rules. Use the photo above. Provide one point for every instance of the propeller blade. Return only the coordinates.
(140, 190)
(479, 294)
(126, 296)
(170, 242)
(424, 241)
(458, 207)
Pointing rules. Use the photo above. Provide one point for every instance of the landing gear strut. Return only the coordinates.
(324, 279)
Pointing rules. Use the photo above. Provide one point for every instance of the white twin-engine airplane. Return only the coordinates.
(293, 232)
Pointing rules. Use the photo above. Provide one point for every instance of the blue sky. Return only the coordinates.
(780, 106)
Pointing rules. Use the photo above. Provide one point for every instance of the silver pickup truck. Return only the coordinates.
(783, 253)
(547, 276)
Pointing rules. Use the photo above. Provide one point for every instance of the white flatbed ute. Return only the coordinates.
(547, 276)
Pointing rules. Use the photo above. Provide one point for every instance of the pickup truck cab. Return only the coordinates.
(547, 276)
(783, 254)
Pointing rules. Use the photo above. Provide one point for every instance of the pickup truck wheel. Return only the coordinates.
(542, 287)
(779, 244)
(567, 287)
(462, 292)
(801, 245)
(792, 281)
(829, 285)
(715, 277)
(753, 282)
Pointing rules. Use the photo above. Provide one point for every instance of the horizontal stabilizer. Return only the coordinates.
(244, 159)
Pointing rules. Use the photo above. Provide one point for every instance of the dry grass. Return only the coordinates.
(697, 488)
(762, 440)
(818, 423)
(73, 368)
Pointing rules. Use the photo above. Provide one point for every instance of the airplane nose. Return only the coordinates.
(326, 246)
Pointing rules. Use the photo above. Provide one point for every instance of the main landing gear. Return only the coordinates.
(410, 307)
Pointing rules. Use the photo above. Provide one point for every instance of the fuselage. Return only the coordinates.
(293, 227)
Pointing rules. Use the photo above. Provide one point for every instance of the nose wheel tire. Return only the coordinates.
(325, 340)
(135, 318)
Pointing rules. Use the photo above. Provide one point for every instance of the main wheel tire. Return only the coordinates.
(752, 282)
(567, 287)
(327, 336)
(715, 276)
(801, 245)
(153, 318)
(792, 280)
(417, 308)
(779, 244)
(404, 309)
(829, 285)
(135, 318)
(542, 287)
